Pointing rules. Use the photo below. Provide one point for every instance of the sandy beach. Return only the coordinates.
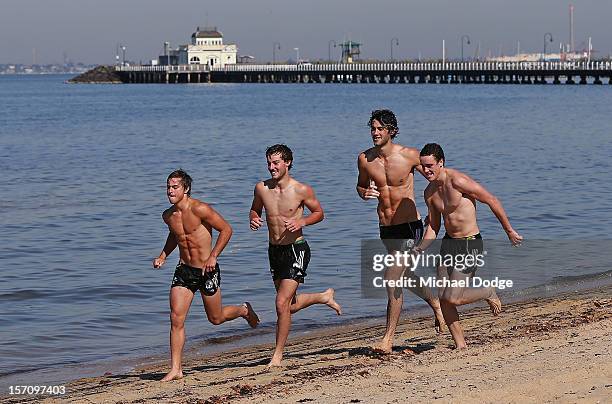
(541, 350)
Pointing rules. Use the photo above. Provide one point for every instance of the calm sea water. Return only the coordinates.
(83, 180)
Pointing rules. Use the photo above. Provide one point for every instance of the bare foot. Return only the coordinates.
(329, 300)
(494, 303)
(439, 322)
(251, 316)
(173, 375)
(383, 348)
(275, 362)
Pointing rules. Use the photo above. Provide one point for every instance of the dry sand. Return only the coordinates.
(543, 350)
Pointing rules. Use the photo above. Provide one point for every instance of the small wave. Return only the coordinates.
(561, 284)
(24, 294)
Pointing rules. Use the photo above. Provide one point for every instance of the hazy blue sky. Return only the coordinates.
(89, 30)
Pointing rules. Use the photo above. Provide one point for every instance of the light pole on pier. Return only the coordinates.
(468, 42)
(329, 49)
(396, 43)
(123, 49)
(548, 34)
(297, 54)
(275, 46)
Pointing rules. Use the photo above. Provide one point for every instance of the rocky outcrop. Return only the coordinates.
(99, 74)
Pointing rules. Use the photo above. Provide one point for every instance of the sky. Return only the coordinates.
(89, 31)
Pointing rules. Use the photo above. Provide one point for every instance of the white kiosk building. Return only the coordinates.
(207, 48)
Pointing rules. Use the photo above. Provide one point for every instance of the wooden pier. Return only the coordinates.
(597, 72)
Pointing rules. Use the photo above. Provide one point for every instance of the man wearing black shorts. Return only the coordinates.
(452, 195)
(284, 199)
(386, 173)
(191, 222)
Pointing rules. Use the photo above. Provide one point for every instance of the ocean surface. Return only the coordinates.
(83, 179)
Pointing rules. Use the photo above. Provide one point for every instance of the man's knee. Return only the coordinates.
(177, 320)
(282, 304)
(216, 319)
(395, 293)
(450, 299)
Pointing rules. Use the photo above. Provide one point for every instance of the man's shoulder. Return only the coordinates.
(368, 154)
(265, 185)
(199, 207)
(460, 180)
(407, 151)
(168, 212)
(429, 190)
(300, 187)
(456, 176)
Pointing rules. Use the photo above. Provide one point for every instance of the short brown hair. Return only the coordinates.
(184, 177)
(283, 150)
(433, 149)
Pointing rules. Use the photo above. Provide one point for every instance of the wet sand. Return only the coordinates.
(541, 350)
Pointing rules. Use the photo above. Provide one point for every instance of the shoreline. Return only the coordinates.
(544, 329)
(229, 340)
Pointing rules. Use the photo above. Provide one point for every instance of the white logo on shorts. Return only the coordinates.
(299, 261)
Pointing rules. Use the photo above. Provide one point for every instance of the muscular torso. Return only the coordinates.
(394, 178)
(457, 209)
(193, 236)
(280, 205)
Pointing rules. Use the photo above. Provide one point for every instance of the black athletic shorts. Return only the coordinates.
(289, 261)
(197, 279)
(401, 237)
(458, 248)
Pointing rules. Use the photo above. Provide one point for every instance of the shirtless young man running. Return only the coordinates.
(191, 222)
(386, 173)
(284, 199)
(453, 195)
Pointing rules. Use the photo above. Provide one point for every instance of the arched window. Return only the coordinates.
(194, 60)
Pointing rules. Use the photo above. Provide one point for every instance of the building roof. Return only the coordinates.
(207, 32)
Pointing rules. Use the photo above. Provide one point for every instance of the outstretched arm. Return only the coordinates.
(468, 186)
(209, 215)
(170, 245)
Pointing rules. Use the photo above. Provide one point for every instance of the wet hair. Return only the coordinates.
(283, 150)
(387, 118)
(184, 177)
(433, 149)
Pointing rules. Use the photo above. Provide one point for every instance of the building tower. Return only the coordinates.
(350, 50)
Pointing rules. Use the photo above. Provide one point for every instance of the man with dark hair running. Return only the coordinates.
(386, 173)
(453, 195)
(284, 199)
(191, 222)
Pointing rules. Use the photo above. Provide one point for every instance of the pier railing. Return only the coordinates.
(194, 68)
(419, 72)
(603, 66)
(415, 67)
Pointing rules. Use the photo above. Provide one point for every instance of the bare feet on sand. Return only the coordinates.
(329, 300)
(251, 316)
(439, 323)
(275, 362)
(173, 375)
(384, 347)
(494, 303)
